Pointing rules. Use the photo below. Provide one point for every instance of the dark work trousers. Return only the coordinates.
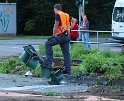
(64, 41)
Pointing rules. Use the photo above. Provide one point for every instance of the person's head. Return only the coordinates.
(57, 7)
(84, 18)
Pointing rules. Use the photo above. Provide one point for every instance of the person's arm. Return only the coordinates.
(56, 24)
(83, 26)
(73, 22)
(55, 27)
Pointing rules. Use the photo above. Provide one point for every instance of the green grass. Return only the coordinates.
(25, 37)
(5, 38)
(10, 64)
(92, 35)
(53, 94)
(56, 50)
(100, 35)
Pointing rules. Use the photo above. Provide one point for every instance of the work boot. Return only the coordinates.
(67, 70)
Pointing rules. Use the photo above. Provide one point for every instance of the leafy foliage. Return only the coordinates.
(29, 26)
(105, 62)
(41, 12)
(114, 72)
(93, 62)
(10, 64)
(57, 51)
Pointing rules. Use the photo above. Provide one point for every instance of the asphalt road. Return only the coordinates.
(14, 47)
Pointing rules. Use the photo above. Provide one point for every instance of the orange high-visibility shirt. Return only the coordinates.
(65, 23)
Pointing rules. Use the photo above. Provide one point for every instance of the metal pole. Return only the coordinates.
(83, 4)
(79, 8)
(98, 39)
(81, 13)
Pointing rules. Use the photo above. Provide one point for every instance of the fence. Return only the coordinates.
(97, 37)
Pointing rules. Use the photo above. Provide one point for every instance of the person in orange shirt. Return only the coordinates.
(61, 36)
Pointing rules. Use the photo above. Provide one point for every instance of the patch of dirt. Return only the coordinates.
(97, 93)
(108, 91)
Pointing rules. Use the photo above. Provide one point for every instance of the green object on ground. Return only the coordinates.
(32, 63)
(30, 57)
(24, 57)
(46, 72)
(56, 78)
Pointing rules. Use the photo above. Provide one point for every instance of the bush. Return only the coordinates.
(10, 64)
(106, 62)
(94, 63)
(57, 51)
(114, 73)
(76, 70)
(29, 26)
(78, 51)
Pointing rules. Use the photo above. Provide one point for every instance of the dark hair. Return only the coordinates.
(58, 6)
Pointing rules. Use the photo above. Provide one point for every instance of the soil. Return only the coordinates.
(97, 93)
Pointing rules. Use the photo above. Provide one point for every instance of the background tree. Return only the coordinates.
(36, 17)
(99, 13)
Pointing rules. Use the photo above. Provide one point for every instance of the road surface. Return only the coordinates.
(14, 47)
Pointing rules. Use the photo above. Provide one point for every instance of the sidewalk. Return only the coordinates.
(23, 84)
(11, 96)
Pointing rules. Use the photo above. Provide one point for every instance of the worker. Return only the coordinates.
(61, 36)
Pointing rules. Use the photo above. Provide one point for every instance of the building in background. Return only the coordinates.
(8, 19)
